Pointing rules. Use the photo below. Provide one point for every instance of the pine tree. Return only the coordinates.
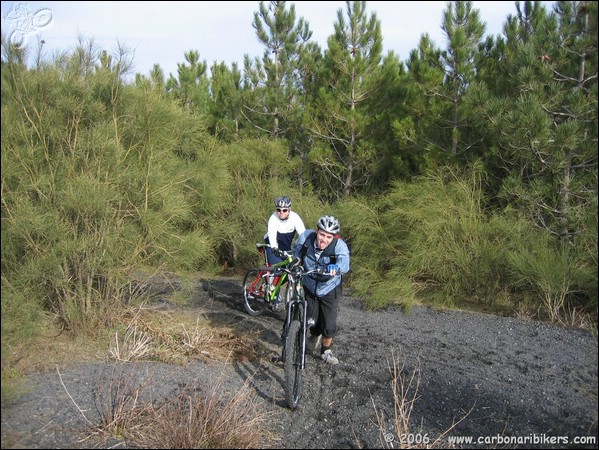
(343, 156)
(273, 81)
(542, 113)
(191, 84)
(227, 100)
(464, 31)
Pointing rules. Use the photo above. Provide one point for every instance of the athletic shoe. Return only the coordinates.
(328, 358)
(313, 343)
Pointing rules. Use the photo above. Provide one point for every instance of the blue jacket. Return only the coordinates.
(320, 285)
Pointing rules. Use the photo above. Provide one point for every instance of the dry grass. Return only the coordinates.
(212, 420)
(195, 417)
(169, 336)
(117, 402)
(136, 344)
(405, 388)
(53, 347)
(569, 316)
(172, 337)
(574, 318)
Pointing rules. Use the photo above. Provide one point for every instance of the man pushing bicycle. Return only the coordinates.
(323, 249)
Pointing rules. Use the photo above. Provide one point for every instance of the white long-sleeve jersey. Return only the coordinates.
(280, 233)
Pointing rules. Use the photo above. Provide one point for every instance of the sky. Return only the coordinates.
(221, 31)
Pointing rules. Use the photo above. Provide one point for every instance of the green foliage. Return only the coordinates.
(191, 86)
(272, 102)
(376, 244)
(449, 256)
(20, 317)
(554, 274)
(260, 171)
(541, 118)
(341, 115)
(101, 177)
(225, 109)
(431, 240)
(99, 180)
(29, 232)
(86, 203)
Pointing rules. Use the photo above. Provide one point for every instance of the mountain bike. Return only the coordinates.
(295, 329)
(262, 285)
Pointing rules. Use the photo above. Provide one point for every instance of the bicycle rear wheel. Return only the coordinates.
(293, 364)
(255, 292)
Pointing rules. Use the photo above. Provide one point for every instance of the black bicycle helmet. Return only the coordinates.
(329, 224)
(283, 202)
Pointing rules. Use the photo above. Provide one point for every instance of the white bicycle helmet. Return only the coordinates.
(283, 202)
(329, 224)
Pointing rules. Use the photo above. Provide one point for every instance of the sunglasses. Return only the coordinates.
(282, 210)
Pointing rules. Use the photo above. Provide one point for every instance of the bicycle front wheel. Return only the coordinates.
(255, 292)
(293, 364)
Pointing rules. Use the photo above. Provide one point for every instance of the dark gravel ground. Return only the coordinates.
(513, 383)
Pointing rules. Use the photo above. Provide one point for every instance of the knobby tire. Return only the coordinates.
(293, 363)
(254, 304)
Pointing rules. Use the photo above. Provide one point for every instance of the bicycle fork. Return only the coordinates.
(284, 331)
(303, 334)
(295, 308)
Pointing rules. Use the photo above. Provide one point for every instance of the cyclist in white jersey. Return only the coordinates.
(282, 227)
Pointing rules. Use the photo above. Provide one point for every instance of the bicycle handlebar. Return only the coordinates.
(294, 267)
(299, 272)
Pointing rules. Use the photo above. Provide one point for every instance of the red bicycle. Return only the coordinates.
(262, 285)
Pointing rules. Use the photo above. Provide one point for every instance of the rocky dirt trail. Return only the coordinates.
(510, 383)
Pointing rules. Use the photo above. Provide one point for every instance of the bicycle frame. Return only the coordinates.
(294, 334)
(262, 285)
(275, 271)
(296, 307)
